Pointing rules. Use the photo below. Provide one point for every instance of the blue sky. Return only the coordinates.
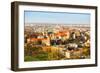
(56, 17)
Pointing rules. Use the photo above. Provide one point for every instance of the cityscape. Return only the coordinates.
(56, 42)
(56, 36)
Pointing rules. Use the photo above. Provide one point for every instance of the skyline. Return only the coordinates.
(56, 17)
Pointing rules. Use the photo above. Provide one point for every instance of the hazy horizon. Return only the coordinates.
(56, 17)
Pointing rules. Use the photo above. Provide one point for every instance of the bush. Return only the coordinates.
(39, 57)
(30, 58)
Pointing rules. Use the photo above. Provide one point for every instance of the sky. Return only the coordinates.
(56, 17)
